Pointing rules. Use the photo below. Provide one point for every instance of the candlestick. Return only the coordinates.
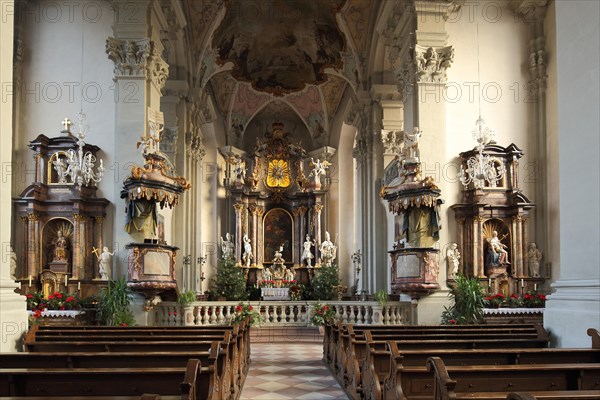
(78, 286)
(490, 282)
(29, 280)
(535, 287)
(66, 280)
(522, 284)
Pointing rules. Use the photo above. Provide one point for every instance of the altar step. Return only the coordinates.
(278, 334)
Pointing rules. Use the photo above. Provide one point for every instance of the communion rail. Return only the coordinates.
(281, 313)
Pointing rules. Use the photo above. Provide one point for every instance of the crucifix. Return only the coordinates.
(67, 124)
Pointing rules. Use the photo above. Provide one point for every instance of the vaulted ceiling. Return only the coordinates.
(290, 61)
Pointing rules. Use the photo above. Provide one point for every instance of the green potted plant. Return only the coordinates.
(114, 307)
(382, 297)
(325, 279)
(229, 282)
(185, 299)
(467, 302)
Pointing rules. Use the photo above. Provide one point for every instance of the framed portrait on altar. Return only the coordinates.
(278, 230)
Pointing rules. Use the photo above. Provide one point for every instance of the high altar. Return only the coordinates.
(277, 193)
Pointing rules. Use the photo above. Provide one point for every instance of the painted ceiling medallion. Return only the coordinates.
(280, 46)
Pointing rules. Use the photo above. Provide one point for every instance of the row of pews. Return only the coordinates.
(120, 363)
(484, 362)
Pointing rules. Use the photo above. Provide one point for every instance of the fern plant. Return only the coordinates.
(467, 302)
(115, 304)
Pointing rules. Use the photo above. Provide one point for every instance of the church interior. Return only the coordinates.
(406, 143)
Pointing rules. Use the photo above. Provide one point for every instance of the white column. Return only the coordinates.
(140, 75)
(575, 304)
(13, 314)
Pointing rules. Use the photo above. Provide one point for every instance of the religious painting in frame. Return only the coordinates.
(278, 229)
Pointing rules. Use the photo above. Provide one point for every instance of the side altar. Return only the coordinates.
(60, 217)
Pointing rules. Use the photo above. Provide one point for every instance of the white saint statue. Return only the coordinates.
(104, 267)
(306, 253)
(328, 249)
(278, 259)
(247, 257)
(534, 257)
(453, 258)
(227, 247)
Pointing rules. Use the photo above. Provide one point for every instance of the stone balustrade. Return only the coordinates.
(281, 313)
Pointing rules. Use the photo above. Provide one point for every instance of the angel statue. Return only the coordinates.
(103, 263)
(318, 168)
(411, 150)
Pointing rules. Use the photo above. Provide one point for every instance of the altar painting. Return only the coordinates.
(278, 230)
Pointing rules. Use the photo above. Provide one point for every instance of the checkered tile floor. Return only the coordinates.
(289, 369)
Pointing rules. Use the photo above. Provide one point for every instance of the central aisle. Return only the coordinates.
(287, 364)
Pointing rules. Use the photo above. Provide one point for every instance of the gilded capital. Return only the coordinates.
(32, 217)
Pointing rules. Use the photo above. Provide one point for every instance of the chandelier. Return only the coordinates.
(79, 168)
(482, 168)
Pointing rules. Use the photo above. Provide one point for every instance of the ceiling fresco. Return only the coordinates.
(280, 46)
(286, 60)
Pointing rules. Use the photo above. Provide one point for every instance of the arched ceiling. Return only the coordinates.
(292, 60)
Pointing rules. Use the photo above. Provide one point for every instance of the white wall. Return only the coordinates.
(500, 89)
(56, 74)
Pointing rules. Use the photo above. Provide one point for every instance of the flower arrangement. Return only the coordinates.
(243, 311)
(495, 300)
(295, 292)
(267, 283)
(56, 301)
(534, 299)
(515, 301)
(286, 283)
(321, 314)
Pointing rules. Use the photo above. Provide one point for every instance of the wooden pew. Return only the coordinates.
(392, 384)
(213, 363)
(184, 382)
(343, 348)
(142, 397)
(496, 381)
(118, 339)
(367, 359)
(556, 395)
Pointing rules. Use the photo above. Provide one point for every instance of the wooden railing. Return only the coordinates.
(281, 313)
